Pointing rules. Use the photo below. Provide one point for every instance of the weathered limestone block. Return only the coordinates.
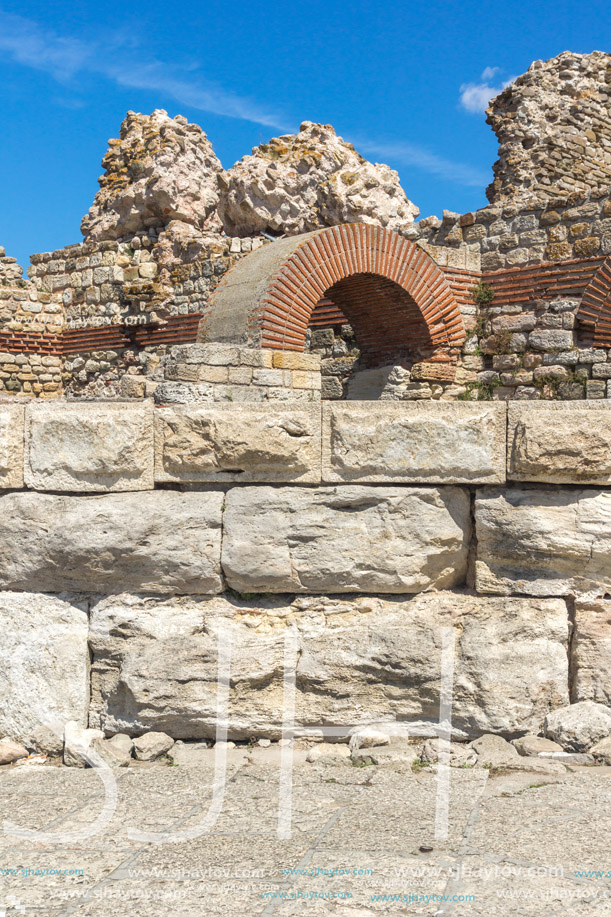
(559, 442)
(591, 652)
(158, 541)
(421, 442)
(360, 660)
(89, 446)
(44, 662)
(11, 445)
(540, 541)
(345, 539)
(238, 442)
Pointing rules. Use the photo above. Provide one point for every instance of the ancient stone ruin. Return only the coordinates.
(267, 399)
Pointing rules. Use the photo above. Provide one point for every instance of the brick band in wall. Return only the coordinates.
(595, 309)
(179, 329)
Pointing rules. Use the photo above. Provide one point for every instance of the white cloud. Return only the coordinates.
(489, 73)
(412, 155)
(118, 59)
(476, 97)
(64, 58)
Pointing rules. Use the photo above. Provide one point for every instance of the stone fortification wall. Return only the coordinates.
(553, 128)
(529, 274)
(138, 533)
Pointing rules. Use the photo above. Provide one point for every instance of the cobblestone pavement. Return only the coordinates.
(362, 842)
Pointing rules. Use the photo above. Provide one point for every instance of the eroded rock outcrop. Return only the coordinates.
(305, 181)
(553, 124)
(160, 169)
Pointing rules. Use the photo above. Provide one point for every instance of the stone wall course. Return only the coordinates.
(561, 443)
(12, 419)
(360, 659)
(152, 541)
(44, 662)
(536, 540)
(591, 651)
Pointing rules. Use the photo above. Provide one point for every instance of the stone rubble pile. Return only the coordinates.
(162, 175)
(305, 181)
(382, 744)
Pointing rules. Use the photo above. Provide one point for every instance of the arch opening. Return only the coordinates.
(394, 295)
(387, 323)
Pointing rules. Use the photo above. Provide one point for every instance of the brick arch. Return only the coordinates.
(594, 313)
(393, 293)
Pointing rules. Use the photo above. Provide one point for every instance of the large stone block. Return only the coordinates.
(359, 659)
(591, 651)
(158, 541)
(44, 662)
(543, 541)
(238, 442)
(559, 442)
(423, 442)
(345, 539)
(11, 445)
(89, 446)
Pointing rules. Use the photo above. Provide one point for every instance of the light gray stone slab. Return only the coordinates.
(423, 442)
(345, 539)
(89, 446)
(360, 660)
(591, 651)
(11, 445)
(156, 541)
(565, 442)
(44, 662)
(238, 442)
(543, 541)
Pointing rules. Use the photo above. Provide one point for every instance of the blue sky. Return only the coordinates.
(406, 82)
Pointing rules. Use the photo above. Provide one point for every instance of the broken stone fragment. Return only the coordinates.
(11, 751)
(44, 741)
(530, 746)
(578, 727)
(493, 750)
(160, 169)
(602, 750)
(152, 745)
(460, 755)
(78, 744)
(328, 753)
(396, 754)
(116, 751)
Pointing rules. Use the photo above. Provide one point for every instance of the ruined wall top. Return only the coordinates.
(160, 169)
(163, 171)
(553, 124)
(307, 181)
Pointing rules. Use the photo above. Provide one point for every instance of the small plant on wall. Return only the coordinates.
(482, 294)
